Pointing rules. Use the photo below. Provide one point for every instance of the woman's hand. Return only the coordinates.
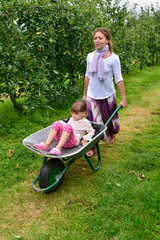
(123, 103)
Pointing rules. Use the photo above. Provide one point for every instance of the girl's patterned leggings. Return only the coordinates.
(60, 128)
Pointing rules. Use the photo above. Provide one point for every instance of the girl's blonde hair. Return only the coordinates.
(79, 106)
(106, 34)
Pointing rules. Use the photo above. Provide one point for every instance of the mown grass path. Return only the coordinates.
(119, 202)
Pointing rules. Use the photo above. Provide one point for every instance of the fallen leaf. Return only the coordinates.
(10, 152)
(140, 179)
(16, 236)
(108, 183)
(118, 185)
(84, 169)
(17, 166)
(142, 175)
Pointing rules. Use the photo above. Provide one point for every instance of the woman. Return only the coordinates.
(99, 91)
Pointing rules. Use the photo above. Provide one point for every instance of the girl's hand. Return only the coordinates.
(84, 142)
(84, 98)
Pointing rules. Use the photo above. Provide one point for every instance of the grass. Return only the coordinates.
(114, 203)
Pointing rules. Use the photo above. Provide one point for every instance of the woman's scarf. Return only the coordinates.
(97, 64)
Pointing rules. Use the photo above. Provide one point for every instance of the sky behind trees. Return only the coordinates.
(141, 3)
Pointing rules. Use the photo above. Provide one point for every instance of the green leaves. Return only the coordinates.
(44, 45)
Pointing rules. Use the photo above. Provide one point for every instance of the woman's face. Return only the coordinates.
(100, 40)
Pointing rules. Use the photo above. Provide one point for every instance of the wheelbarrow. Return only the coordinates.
(52, 172)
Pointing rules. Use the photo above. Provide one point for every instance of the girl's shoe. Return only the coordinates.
(55, 151)
(91, 153)
(42, 146)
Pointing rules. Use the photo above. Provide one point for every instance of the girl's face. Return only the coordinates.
(100, 40)
(78, 116)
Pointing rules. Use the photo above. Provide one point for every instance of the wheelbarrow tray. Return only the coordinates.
(52, 172)
(74, 153)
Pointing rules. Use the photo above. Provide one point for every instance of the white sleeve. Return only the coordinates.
(90, 131)
(87, 68)
(117, 70)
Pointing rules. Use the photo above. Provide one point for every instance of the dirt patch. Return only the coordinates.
(134, 120)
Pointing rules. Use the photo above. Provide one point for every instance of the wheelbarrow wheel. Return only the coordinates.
(49, 172)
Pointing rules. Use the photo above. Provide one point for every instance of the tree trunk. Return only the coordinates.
(141, 65)
(15, 104)
(153, 59)
(156, 59)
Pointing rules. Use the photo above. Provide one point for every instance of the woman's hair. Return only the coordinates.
(106, 34)
(79, 106)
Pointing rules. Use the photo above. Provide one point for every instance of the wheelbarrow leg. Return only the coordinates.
(99, 159)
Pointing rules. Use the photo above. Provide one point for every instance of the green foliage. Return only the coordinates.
(44, 44)
(26, 36)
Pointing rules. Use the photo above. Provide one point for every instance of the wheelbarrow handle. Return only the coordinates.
(113, 114)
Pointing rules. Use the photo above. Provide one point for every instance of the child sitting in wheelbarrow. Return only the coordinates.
(78, 130)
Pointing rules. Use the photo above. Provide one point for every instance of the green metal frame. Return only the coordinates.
(120, 106)
(60, 176)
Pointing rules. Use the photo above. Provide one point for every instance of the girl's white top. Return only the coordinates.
(82, 128)
(103, 89)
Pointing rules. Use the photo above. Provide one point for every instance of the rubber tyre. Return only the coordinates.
(49, 171)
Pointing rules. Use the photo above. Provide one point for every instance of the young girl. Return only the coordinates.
(77, 131)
